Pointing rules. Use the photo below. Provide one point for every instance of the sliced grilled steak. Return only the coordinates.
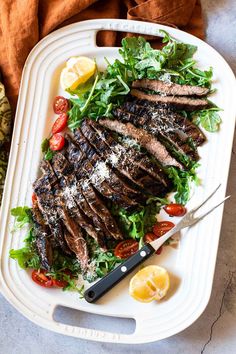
(174, 120)
(103, 178)
(42, 235)
(122, 159)
(138, 159)
(189, 104)
(170, 88)
(68, 194)
(45, 198)
(158, 124)
(101, 210)
(74, 237)
(78, 245)
(47, 170)
(87, 196)
(150, 143)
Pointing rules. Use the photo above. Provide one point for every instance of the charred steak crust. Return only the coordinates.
(146, 140)
(103, 176)
(95, 202)
(137, 158)
(159, 124)
(74, 235)
(170, 118)
(123, 160)
(179, 102)
(81, 198)
(45, 198)
(42, 236)
(68, 194)
(170, 88)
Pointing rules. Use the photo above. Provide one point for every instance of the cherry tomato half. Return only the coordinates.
(60, 123)
(162, 227)
(40, 278)
(56, 142)
(149, 237)
(34, 198)
(174, 209)
(126, 248)
(60, 105)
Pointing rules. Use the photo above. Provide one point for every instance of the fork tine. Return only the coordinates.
(213, 208)
(209, 197)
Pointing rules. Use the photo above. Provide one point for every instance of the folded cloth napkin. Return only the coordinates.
(24, 22)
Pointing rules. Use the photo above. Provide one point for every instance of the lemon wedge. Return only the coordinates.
(77, 71)
(150, 283)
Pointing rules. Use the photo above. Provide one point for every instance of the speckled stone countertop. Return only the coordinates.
(214, 332)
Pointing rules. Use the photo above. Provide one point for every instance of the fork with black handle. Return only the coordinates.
(100, 288)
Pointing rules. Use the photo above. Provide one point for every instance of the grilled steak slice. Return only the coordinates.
(42, 235)
(87, 196)
(138, 159)
(103, 178)
(172, 119)
(45, 198)
(47, 169)
(189, 104)
(69, 196)
(150, 143)
(78, 245)
(122, 160)
(158, 124)
(170, 88)
(74, 237)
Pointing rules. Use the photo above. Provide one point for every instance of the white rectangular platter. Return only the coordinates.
(191, 266)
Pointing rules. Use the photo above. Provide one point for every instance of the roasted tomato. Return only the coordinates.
(40, 278)
(56, 142)
(162, 227)
(174, 209)
(149, 237)
(60, 105)
(60, 123)
(126, 248)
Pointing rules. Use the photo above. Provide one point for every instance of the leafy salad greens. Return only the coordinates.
(96, 98)
(139, 60)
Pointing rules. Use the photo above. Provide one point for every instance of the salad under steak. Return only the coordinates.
(133, 138)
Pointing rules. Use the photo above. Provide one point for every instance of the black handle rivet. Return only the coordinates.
(123, 269)
(91, 294)
(143, 253)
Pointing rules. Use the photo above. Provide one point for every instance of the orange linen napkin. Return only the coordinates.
(24, 22)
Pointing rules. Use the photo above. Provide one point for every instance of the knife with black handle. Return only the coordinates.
(111, 279)
(115, 276)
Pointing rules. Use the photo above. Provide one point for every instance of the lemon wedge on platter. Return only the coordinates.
(77, 71)
(150, 283)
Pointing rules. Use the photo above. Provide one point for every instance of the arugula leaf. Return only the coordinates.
(209, 119)
(48, 153)
(108, 89)
(25, 258)
(182, 180)
(175, 51)
(22, 217)
(138, 223)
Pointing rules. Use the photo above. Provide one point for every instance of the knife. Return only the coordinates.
(101, 287)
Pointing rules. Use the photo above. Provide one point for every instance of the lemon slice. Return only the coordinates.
(150, 283)
(77, 71)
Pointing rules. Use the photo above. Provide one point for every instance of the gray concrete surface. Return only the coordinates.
(214, 332)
